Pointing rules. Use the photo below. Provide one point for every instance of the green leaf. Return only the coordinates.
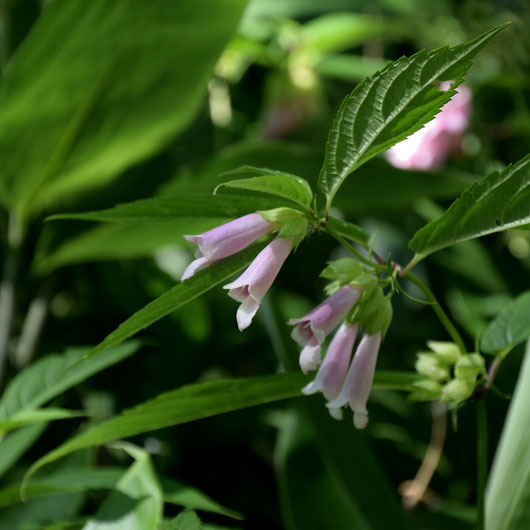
(136, 502)
(310, 494)
(187, 520)
(391, 105)
(41, 381)
(176, 297)
(16, 443)
(97, 87)
(27, 417)
(498, 202)
(185, 404)
(510, 328)
(270, 181)
(349, 230)
(508, 490)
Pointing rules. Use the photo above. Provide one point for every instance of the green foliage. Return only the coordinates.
(273, 182)
(390, 106)
(508, 487)
(498, 202)
(97, 102)
(187, 520)
(509, 328)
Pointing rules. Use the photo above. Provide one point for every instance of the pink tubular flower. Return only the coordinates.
(331, 374)
(428, 148)
(225, 240)
(253, 284)
(312, 329)
(358, 383)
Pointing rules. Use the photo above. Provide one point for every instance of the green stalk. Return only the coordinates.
(440, 313)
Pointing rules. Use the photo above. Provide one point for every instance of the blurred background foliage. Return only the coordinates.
(166, 98)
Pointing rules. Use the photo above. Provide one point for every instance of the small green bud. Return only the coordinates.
(426, 390)
(446, 351)
(457, 391)
(429, 365)
(469, 367)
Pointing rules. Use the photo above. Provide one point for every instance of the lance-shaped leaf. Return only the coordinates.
(391, 105)
(97, 86)
(498, 202)
(270, 181)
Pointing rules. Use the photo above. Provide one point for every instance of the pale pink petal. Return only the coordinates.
(310, 358)
(194, 266)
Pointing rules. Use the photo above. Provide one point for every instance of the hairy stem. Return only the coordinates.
(440, 313)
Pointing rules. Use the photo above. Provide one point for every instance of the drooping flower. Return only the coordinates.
(358, 382)
(331, 374)
(225, 240)
(254, 283)
(311, 330)
(428, 148)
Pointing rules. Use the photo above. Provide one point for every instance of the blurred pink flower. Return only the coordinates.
(428, 148)
(311, 330)
(358, 382)
(253, 284)
(331, 374)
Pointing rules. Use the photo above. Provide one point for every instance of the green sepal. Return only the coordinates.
(469, 367)
(344, 271)
(288, 222)
(374, 311)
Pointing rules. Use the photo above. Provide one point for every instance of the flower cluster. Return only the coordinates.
(428, 148)
(356, 301)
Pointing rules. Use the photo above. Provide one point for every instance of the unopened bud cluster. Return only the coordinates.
(449, 375)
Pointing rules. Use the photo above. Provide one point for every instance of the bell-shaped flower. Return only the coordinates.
(358, 382)
(225, 240)
(331, 374)
(428, 148)
(311, 330)
(253, 284)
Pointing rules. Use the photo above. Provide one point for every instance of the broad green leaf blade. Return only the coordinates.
(187, 206)
(97, 87)
(136, 502)
(40, 382)
(176, 297)
(273, 182)
(27, 417)
(508, 489)
(185, 404)
(310, 494)
(391, 105)
(498, 202)
(16, 443)
(510, 328)
(349, 230)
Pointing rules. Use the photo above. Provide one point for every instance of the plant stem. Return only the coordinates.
(7, 288)
(482, 461)
(440, 313)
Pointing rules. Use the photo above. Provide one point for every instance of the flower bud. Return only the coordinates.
(429, 365)
(426, 390)
(447, 352)
(457, 391)
(469, 367)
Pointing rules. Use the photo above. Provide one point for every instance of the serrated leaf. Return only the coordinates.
(349, 230)
(185, 404)
(510, 327)
(96, 87)
(187, 520)
(41, 381)
(391, 105)
(498, 202)
(273, 182)
(508, 488)
(136, 502)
